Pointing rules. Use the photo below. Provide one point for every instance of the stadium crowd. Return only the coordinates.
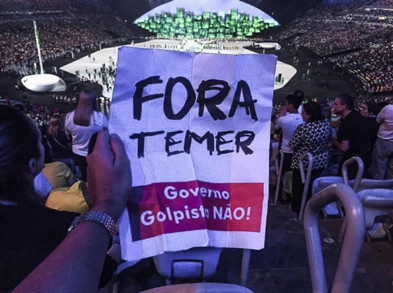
(354, 38)
(60, 32)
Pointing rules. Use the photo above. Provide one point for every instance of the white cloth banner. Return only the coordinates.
(196, 128)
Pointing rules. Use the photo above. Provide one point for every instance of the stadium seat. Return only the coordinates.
(285, 178)
(333, 209)
(201, 288)
(377, 200)
(195, 263)
(353, 239)
(306, 177)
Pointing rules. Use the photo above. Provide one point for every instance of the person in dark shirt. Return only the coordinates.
(352, 137)
(75, 265)
(29, 231)
(369, 111)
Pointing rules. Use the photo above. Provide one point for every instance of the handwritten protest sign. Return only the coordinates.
(196, 128)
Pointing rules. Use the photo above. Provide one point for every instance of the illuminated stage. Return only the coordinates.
(89, 66)
(43, 83)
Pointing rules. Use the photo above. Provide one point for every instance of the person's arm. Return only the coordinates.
(76, 264)
(104, 120)
(297, 137)
(341, 142)
(342, 146)
(381, 115)
(277, 126)
(277, 122)
(66, 129)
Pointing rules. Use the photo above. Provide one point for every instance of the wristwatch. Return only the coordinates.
(99, 217)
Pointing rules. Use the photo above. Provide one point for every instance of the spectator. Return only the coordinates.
(29, 231)
(369, 110)
(352, 137)
(288, 119)
(80, 257)
(313, 136)
(59, 143)
(382, 158)
(81, 124)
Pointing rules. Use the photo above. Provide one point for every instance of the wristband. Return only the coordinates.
(99, 217)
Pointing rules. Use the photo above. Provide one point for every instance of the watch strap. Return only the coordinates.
(99, 217)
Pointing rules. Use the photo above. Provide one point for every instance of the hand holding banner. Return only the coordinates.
(196, 129)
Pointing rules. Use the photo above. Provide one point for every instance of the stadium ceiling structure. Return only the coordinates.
(206, 19)
(282, 11)
(201, 6)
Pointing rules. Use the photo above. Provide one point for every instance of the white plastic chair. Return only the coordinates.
(197, 262)
(305, 179)
(377, 200)
(287, 180)
(279, 164)
(201, 288)
(332, 209)
(351, 246)
(374, 183)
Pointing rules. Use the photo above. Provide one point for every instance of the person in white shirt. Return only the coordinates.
(382, 158)
(287, 122)
(81, 124)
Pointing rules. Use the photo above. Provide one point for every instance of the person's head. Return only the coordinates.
(343, 104)
(55, 124)
(369, 109)
(21, 155)
(299, 94)
(86, 105)
(312, 112)
(291, 103)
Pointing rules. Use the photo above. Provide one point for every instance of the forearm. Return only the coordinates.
(342, 146)
(79, 257)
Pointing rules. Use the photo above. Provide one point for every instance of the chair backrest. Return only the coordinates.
(201, 288)
(279, 174)
(376, 202)
(197, 262)
(305, 179)
(374, 183)
(353, 238)
(322, 182)
(325, 181)
(359, 173)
